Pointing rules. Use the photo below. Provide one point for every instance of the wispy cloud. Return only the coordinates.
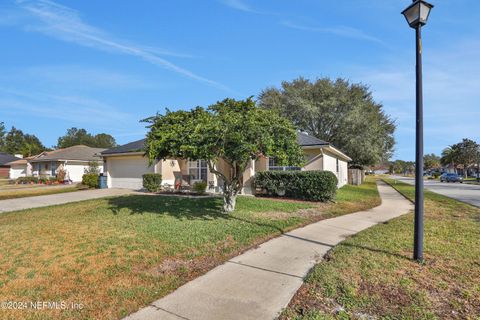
(239, 5)
(64, 23)
(76, 78)
(73, 108)
(342, 31)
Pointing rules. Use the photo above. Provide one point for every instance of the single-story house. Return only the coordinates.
(74, 160)
(5, 158)
(20, 168)
(124, 165)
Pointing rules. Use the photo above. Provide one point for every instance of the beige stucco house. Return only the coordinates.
(125, 165)
(74, 160)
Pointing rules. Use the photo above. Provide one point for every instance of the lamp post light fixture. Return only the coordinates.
(417, 15)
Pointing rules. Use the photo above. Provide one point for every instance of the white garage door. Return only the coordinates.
(126, 172)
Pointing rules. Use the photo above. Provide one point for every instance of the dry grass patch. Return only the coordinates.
(372, 275)
(117, 255)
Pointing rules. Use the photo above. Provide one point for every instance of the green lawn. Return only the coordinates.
(372, 273)
(16, 192)
(118, 254)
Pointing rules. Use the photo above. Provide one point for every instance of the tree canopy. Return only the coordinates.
(233, 131)
(339, 112)
(466, 153)
(2, 135)
(401, 166)
(75, 136)
(16, 142)
(431, 161)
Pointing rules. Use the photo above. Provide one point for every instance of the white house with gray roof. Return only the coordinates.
(74, 160)
(125, 165)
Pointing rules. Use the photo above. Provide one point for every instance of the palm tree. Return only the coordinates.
(449, 156)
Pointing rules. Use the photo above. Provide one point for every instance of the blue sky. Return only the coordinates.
(105, 65)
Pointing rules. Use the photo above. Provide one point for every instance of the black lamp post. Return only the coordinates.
(417, 15)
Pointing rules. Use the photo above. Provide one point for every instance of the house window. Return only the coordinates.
(197, 170)
(54, 169)
(273, 166)
(272, 162)
(338, 166)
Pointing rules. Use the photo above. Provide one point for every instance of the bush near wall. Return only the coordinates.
(304, 185)
(27, 180)
(91, 180)
(199, 187)
(152, 181)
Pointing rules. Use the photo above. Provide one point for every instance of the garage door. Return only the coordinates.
(126, 172)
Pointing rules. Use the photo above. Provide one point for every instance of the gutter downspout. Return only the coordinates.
(323, 159)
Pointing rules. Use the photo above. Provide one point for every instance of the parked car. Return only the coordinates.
(451, 177)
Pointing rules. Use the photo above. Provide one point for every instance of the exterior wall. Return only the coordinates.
(76, 169)
(248, 178)
(169, 169)
(314, 160)
(17, 171)
(4, 171)
(261, 164)
(330, 164)
(343, 174)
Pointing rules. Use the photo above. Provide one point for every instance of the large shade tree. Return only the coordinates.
(339, 112)
(233, 131)
(17, 142)
(75, 136)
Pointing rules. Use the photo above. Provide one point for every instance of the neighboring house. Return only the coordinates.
(5, 158)
(74, 160)
(125, 165)
(20, 168)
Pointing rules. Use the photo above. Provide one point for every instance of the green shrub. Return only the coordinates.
(200, 187)
(436, 174)
(304, 185)
(152, 181)
(43, 179)
(27, 180)
(90, 180)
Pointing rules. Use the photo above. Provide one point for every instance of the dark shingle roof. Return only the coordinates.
(138, 146)
(80, 152)
(5, 158)
(305, 140)
(135, 146)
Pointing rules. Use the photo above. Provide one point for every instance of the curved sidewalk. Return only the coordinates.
(260, 283)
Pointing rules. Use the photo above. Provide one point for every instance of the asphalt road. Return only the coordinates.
(460, 191)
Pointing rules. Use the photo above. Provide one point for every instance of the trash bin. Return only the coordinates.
(102, 182)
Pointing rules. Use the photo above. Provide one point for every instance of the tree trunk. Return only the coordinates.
(229, 198)
(229, 202)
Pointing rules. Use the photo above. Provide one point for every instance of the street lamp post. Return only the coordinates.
(417, 15)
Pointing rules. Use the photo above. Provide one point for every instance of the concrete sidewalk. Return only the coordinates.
(260, 283)
(59, 198)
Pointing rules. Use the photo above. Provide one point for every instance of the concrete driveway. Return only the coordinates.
(59, 198)
(468, 193)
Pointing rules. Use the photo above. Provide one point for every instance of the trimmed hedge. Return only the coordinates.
(152, 181)
(303, 185)
(91, 180)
